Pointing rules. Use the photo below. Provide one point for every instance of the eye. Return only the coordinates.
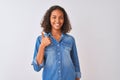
(61, 17)
(53, 17)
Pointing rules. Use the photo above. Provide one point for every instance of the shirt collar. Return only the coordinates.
(62, 36)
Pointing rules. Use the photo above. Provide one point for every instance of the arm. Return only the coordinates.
(44, 42)
(74, 57)
(34, 62)
(40, 55)
(38, 59)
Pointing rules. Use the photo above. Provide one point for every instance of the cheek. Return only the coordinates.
(51, 21)
(62, 21)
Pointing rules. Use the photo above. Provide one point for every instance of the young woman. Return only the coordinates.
(55, 50)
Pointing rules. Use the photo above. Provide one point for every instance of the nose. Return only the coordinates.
(57, 20)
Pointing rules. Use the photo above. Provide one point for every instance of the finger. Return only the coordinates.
(49, 42)
(49, 39)
(42, 34)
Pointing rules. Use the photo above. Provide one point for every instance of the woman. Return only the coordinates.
(55, 50)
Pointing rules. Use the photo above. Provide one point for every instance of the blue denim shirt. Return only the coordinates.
(60, 59)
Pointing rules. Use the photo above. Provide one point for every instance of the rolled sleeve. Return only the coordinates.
(78, 75)
(36, 66)
(74, 56)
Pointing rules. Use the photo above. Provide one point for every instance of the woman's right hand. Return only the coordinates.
(45, 40)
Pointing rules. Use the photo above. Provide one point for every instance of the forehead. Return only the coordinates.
(57, 12)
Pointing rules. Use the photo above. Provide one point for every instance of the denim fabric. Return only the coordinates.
(60, 59)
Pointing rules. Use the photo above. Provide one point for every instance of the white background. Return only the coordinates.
(95, 23)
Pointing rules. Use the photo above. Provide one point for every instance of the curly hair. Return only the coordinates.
(66, 27)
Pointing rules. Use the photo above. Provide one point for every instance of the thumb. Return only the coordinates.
(42, 34)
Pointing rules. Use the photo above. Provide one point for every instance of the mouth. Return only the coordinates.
(58, 25)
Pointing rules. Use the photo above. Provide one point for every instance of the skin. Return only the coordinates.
(56, 21)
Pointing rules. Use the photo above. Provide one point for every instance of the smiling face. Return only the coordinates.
(56, 19)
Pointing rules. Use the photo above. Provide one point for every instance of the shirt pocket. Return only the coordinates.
(50, 49)
(66, 47)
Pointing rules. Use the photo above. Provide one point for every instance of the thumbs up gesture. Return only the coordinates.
(45, 40)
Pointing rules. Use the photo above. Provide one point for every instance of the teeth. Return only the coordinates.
(57, 24)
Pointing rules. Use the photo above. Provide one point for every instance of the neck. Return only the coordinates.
(55, 32)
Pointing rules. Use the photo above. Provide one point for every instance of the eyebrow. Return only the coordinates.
(55, 15)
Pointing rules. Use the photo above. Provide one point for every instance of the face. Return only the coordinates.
(56, 19)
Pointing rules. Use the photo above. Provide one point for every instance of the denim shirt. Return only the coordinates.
(60, 59)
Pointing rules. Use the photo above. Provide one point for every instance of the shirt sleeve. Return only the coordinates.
(74, 56)
(34, 62)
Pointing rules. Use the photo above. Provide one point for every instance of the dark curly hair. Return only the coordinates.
(46, 20)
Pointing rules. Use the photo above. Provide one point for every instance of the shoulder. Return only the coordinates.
(38, 39)
(69, 37)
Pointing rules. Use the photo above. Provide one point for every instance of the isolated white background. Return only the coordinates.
(96, 28)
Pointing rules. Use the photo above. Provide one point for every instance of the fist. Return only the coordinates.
(45, 40)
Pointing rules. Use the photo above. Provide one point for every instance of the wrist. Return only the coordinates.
(42, 46)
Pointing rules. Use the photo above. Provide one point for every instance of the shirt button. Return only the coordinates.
(59, 71)
(58, 61)
(58, 53)
(58, 45)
